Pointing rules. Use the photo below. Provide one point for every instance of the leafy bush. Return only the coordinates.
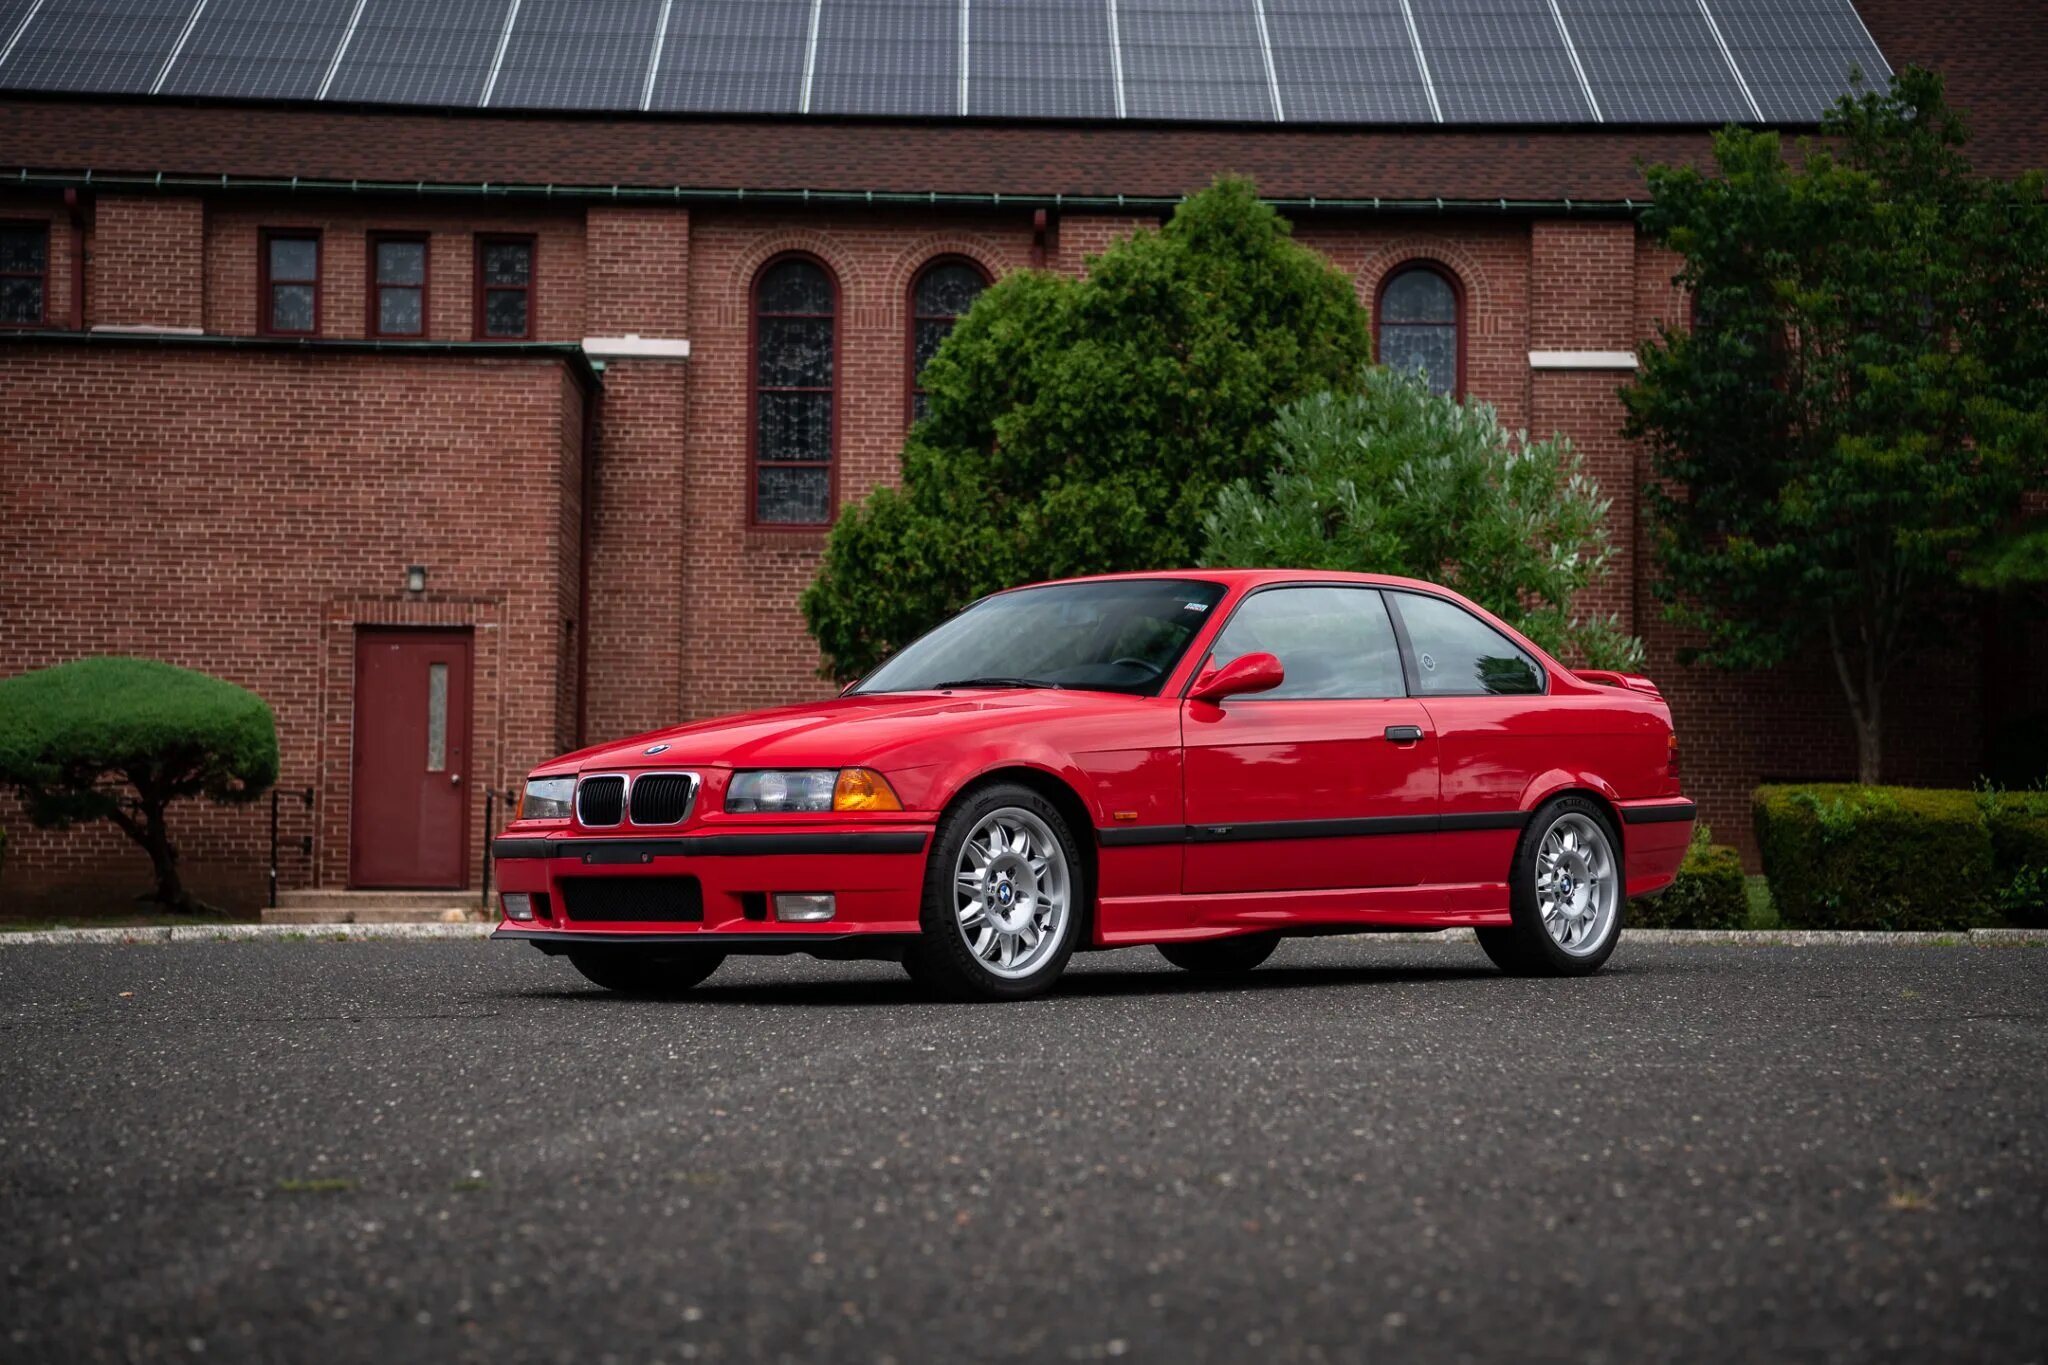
(1841, 856)
(1084, 425)
(2018, 825)
(1708, 893)
(121, 739)
(1395, 479)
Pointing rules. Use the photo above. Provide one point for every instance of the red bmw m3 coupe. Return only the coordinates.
(1204, 761)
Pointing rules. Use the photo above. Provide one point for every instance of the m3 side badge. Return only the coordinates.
(656, 749)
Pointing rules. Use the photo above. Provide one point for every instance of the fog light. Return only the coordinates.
(518, 905)
(804, 907)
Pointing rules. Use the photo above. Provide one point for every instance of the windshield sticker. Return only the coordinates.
(1195, 606)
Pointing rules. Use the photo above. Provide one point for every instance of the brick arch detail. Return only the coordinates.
(929, 248)
(1436, 251)
(740, 287)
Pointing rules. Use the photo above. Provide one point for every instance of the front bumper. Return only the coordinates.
(875, 874)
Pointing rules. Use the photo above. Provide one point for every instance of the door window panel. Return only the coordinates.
(1459, 655)
(1331, 642)
(437, 718)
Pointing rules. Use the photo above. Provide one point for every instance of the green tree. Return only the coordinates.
(1859, 401)
(1396, 479)
(121, 739)
(1084, 425)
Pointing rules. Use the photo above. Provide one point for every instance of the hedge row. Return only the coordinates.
(1708, 892)
(1840, 856)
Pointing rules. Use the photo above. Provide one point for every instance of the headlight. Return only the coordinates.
(771, 790)
(546, 798)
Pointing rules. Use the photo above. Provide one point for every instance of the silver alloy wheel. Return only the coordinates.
(1578, 884)
(1011, 892)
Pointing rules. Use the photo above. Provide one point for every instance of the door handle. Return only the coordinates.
(455, 779)
(1404, 734)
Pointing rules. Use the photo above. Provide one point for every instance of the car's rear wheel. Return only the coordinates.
(632, 972)
(1567, 890)
(1003, 891)
(1221, 956)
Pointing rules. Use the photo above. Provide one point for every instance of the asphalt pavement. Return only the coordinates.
(392, 1151)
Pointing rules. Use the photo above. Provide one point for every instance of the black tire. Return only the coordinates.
(630, 971)
(1221, 956)
(1525, 947)
(941, 960)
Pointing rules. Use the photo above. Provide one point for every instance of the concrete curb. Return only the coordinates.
(1781, 938)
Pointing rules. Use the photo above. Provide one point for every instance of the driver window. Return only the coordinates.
(1331, 642)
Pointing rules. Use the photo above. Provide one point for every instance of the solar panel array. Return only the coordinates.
(1251, 61)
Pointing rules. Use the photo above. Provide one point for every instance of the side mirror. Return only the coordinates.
(1245, 673)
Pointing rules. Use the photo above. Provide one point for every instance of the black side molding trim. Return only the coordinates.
(596, 852)
(700, 938)
(1264, 830)
(1668, 814)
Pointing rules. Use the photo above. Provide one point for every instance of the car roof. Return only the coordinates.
(1253, 578)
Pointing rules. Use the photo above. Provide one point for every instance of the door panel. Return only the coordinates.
(1307, 795)
(409, 805)
(1301, 788)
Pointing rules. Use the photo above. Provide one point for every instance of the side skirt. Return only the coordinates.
(1167, 919)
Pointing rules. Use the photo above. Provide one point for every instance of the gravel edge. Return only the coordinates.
(228, 933)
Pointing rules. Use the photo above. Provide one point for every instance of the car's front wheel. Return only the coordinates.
(1003, 892)
(632, 972)
(1567, 890)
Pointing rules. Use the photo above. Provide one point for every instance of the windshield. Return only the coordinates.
(1124, 635)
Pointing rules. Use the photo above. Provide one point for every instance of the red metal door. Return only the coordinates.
(409, 822)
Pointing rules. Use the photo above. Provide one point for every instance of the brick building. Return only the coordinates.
(272, 346)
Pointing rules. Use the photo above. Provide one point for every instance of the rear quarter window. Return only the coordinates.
(1458, 655)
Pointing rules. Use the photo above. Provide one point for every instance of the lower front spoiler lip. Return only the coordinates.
(882, 947)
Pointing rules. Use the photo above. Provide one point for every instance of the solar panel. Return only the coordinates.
(577, 54)
(1193, 59)
(113, 47)
(1499, 61)
(1797, 54)
(1345, 61)
(887, 57)
(12, 12)
(733, 56)
(404, 52)
(1653, 61)
(1040, 59)
(260, 49)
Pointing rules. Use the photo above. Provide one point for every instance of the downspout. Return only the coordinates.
(594, 397)
(77, 212)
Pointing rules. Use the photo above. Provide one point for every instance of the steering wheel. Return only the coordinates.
(1151, 668)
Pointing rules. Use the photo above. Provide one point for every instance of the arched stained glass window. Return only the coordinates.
(1417, 325)
(942, 292)
(795, 377)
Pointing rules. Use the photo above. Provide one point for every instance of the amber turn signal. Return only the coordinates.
(863, 789)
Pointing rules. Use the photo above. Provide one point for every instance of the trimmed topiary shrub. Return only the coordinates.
(1841, 856)
(121, 739)
(2018, 825)
(1708, 892)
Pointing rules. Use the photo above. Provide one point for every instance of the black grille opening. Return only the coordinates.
(662, 798)
(600, 800)
(644, 899)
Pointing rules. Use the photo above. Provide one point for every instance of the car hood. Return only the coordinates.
(858, 730)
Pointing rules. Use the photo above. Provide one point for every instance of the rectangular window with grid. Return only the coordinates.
(504, 288)
(290, 289)
(24, 274)
(398, 285)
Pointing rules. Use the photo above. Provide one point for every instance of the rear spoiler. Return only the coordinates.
(1608, 678)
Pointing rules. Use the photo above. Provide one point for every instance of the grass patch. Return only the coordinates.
(1763, 912)
(328, 1185)
(469, 1184)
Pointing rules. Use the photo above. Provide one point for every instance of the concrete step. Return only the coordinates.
(322, 906)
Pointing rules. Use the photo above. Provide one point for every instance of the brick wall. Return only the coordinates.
(148, 263)
(241, 513)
